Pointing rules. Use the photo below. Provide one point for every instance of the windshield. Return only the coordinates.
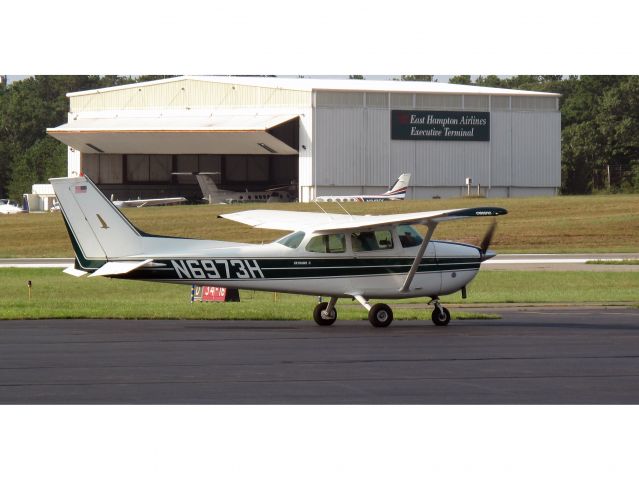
(291, 240)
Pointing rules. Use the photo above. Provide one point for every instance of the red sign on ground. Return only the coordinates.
(210, 294)
(214, 294)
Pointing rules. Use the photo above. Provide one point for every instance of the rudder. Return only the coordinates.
(98, 230)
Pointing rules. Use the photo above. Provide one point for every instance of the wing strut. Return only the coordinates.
(418, 257)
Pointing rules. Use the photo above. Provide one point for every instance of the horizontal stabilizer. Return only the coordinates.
(74, 271)
(118, 268)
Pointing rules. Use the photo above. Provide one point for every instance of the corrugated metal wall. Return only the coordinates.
(187, 94)
(353, 145)
(345, 140)
(536, 149)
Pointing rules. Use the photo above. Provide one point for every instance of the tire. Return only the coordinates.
(439, 319)
(323, 320)
(380, 315)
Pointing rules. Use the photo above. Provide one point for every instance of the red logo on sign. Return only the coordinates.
(403, 118)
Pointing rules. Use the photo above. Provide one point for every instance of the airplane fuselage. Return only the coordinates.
(445, 268)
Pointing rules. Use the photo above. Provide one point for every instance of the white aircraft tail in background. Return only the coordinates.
(396, 192)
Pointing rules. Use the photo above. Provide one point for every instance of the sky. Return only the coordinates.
(318, 38)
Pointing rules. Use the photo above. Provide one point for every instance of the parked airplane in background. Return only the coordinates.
(396, 192)
(147, 202)
(8, 207)
(212, 194)
(337, 256)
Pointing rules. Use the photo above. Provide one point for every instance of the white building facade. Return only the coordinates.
(329, 137)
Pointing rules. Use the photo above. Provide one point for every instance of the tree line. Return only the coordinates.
(599, 126)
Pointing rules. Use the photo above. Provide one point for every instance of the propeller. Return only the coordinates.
(485, 242)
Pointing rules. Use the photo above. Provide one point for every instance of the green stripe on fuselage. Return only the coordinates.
(297, 268)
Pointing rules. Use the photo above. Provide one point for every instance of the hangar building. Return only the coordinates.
(328, 137)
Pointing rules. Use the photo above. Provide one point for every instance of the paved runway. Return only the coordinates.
(533, 356)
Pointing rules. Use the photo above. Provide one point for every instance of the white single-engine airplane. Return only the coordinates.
(396, 192)
(9, 207)
(337, 256)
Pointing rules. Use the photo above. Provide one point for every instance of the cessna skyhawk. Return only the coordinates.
(396, 192)
(337, 256)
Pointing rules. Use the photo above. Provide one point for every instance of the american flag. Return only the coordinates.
(81, 189)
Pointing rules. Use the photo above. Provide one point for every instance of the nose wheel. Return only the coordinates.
(441, 315)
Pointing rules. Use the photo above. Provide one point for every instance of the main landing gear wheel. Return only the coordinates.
(441, 318)
(380, 315)
(320, 316)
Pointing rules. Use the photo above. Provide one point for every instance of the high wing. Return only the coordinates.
(333, 223)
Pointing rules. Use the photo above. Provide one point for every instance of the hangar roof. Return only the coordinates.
(229, 134)
(319, 84)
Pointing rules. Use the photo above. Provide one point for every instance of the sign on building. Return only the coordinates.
(440, 125)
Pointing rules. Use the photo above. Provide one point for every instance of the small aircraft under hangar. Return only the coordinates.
(337, 256)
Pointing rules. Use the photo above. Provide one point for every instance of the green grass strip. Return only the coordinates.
(56, 295)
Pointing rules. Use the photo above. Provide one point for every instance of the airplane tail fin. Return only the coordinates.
(209, 189)
(98, 230)
(398, 190)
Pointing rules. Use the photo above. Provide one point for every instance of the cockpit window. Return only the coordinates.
(335, 243)
(408, 236)
(369, 241)
(292, 240)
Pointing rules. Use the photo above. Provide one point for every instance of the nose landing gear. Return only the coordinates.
(441, 315)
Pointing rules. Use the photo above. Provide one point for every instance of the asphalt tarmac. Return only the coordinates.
(530, 356)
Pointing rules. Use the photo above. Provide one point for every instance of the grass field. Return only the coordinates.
(595, 223)
(56, 295)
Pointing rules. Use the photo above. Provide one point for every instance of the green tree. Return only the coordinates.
(27, 108)
(461, 80)
(490, 81)
(46, 158)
